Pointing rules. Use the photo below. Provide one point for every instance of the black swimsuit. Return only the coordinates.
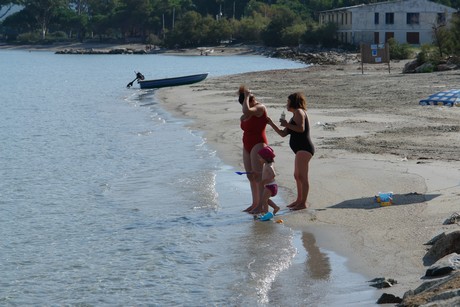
(301, 140)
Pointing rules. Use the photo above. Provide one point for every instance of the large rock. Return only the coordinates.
(386, 298)
(102, 51)
(444, 245)
(446, 67)
(425, 67)
(311, 55)
(410, 67)
(444, 266)
(441, 292)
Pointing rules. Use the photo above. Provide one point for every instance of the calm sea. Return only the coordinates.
(108, 200)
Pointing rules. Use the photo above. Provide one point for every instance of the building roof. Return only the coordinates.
(347, 8)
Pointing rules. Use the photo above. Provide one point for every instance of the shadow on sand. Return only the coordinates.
(398, 200)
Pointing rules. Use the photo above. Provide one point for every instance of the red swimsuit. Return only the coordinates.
(254, 131)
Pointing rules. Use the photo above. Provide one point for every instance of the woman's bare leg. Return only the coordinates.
(256, 188)
(299, 188)
(298, 184)
(302, 160)
(248, 169)
(253, 165)
(263, 206)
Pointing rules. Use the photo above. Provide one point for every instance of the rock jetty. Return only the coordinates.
(103, 51)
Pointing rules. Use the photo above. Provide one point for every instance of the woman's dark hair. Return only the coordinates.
(241, 98)
(241, 95)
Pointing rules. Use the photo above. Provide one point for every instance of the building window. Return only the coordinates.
(376, 18)
(376, 38)
(389, 35)
(389, 18)
(413, 18)
(441, 19)
(413, 38)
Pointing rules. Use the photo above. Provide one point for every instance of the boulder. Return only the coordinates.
(382, 282)
(442, 292)
(410, 67)
(446, 67)
(386, 298)
(444, 245)
(444, 266)
(425, 67)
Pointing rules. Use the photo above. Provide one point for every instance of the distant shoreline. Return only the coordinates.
(135, 48)
(306, 55)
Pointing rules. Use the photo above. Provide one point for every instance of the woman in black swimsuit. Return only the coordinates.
(300, 142)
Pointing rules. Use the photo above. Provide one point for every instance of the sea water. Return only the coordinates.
(108, 200)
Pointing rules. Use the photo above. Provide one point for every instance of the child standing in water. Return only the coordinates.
(270, 188)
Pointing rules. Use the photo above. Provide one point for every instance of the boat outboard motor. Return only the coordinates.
(140, 76)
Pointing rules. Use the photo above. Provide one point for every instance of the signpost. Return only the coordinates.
(375, 54)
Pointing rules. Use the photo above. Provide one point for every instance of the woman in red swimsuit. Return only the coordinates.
(253, 123)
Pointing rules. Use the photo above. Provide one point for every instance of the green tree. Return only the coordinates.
(442, 39)
(324, 35)
(43, 11)
(399, 51)
(131, 16)
(455, 35)
(18, 23)
(250, 28)
(6, 6)
(187, 32)
(274, 33)
(102, 18)
(219, 30)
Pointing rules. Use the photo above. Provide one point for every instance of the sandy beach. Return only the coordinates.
(371, 135)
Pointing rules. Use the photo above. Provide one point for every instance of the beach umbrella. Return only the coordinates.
(445, 98)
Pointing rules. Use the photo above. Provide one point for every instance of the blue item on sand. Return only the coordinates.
(242, 173)
(447, 98)
(268, 216)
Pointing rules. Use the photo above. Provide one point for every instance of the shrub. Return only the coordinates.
(399, 51)
(58, 35)
(153, 40)
(28, 37)
(324, 35)
(428, 54)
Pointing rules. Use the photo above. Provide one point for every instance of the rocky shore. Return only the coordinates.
(305, 55)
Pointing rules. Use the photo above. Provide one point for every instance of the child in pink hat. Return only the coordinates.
(267, 156)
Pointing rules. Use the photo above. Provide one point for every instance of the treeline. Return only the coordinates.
(174, 23)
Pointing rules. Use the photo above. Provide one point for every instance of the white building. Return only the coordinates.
(407, 21)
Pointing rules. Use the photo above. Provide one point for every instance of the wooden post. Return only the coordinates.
(387, 54)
